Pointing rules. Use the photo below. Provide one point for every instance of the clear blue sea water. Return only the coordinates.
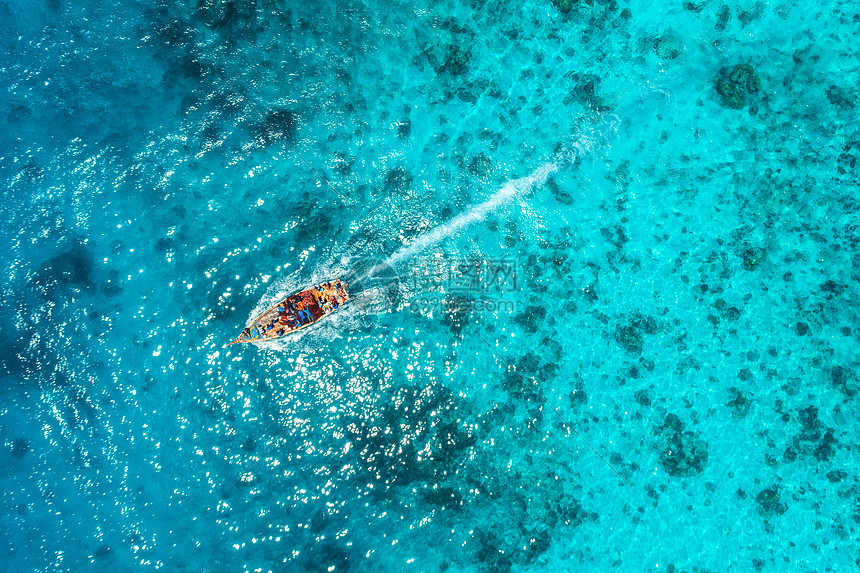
(645, 361)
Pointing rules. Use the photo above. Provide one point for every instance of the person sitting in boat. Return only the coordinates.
(290, 320)
(340, 293)
(319, 297)
(302, 312)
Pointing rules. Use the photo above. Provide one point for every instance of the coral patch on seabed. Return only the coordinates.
(737, 85)
(684, 453)
(668, 46)
(398, 180)
(631, 336)
(769, 502)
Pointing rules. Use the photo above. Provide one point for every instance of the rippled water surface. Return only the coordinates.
(604, 258)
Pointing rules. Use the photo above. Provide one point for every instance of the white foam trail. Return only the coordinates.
(477, 213)
(508, 191)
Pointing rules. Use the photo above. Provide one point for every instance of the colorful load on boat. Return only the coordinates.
(296, 312)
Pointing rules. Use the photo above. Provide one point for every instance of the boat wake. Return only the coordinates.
(506, 193)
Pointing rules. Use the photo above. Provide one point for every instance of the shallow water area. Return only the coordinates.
(605, 262)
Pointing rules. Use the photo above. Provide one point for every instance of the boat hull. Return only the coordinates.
(295, 312)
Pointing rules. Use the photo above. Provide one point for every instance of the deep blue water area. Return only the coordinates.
(646, 360)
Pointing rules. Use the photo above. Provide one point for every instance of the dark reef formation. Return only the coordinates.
(278, 125)
(398, 180)
(418, 435)
(740, 403)
(631, 336)
(769, 502)
(753, 257)
(72, 270)
(668, 46)
(564, 6)
(736, 85)
(684, 454)
(558, 193)
(814, 438)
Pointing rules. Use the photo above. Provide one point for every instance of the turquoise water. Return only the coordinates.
(645, 360)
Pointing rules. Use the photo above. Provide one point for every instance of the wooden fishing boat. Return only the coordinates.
(296, 312)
